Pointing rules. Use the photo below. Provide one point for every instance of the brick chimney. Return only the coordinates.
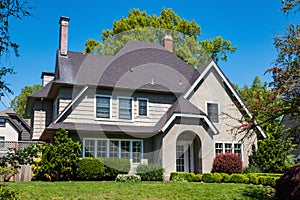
(63, 35)
(168, 43)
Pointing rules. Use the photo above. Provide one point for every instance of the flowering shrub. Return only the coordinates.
(228, 163)
(128, 178)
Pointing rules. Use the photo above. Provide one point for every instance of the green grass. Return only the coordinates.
(142, 190)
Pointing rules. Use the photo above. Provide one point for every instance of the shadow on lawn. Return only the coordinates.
(258, 193)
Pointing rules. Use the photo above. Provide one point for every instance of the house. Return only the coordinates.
(13, 129)
(144, 104)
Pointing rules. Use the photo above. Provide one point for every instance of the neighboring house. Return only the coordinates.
(13, 130)
(144, 104)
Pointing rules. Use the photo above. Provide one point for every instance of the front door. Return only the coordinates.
(184, 157)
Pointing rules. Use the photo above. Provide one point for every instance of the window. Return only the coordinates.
(238, 149)
(2, 139)
(228, 147)
(213, 112)
(143, 107)
(103, 107)
(2, 122)
(116, 148)
(125, 108)
(219, 148)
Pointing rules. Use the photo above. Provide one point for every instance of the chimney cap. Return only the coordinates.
(168, 37)
(64, 18)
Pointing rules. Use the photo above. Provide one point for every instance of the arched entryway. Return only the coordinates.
(188, 153)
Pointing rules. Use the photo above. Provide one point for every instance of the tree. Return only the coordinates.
(138, 25)
(58, 159)
(20, 101)
(273, 154)
(9, 9)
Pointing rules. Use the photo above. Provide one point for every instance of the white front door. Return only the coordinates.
(184, 157)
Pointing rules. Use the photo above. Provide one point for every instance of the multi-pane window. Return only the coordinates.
(115, 148)
(238, 149)
(143, 107)
(2, 139)
(125, 149)
(89, 148)
(2, 122)
(213, 112)
(136, 151)
(228, 148)
(125, 108)
(102, 107)
(180, 158)
(101, 148)
(219, 148)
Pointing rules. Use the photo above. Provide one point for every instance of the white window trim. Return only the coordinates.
(232, 151)
(108, 146)
(206, 110)
(138, 107)
(95, 107)
(4, 123)
(132, 108)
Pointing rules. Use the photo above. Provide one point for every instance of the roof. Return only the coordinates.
(140, 63)
(9, 113)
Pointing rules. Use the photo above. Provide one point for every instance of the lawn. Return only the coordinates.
(142, 190)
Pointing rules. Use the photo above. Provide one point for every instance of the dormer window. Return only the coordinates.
(103, 106)
(143, 107)
(125, 108)
(2, 122)
(213, 112)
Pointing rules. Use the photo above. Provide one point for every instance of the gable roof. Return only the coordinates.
(9, 114)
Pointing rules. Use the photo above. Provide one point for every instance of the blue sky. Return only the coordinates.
(250, 25)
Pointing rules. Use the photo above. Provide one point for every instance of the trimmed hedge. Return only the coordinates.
(128, 178)
(150, 172)
(90, 169)
(238, 178)
(212, 177)
(185, 176)
(115, 166)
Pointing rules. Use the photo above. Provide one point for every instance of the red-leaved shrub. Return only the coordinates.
(288, 186)
(228, 163)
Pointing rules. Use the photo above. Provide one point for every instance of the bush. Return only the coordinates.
(59, 159)
(251, 169)
(150, 172)
(90, 169)
(288, 186)
(225, 177)
(228, 163)
(128, 178)
(253, 179)
(115, 166)
(208, 177)
(190, 177)
(238, 178)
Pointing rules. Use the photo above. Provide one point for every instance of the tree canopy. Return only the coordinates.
(138, 25)
(20, 101)
(9, 9)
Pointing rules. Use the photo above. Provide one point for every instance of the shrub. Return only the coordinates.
(115, 166)
(190, 177)
(178, 179)
(251, 169)
(225, 177)
(128, 178)
(253, 179)
(262, 180)
(90, 169)
(58, 159)
(228, 163)
(150, 172)
(197, 178)
(208, 177)
(238, 178)
(288, 186)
